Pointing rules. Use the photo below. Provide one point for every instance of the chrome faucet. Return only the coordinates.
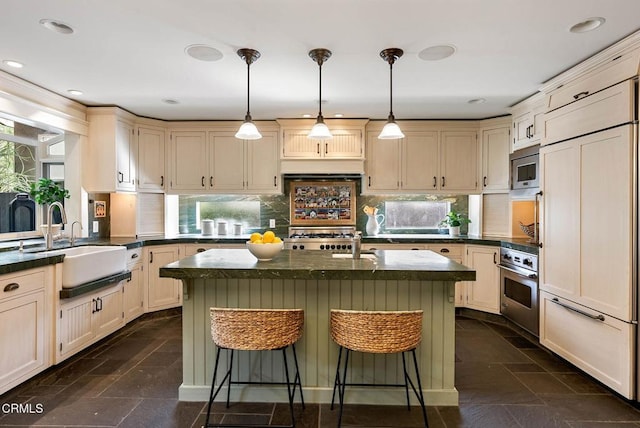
(73, 238)
(49, 237)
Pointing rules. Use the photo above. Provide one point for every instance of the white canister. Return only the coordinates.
(222, 227)
(207, 227)
(237, 229)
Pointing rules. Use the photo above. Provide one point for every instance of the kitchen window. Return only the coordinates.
(195, 208)
(423, 216)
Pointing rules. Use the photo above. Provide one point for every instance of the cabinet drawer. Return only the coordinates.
(624, 67)
(610, 107)
(600, 347)
(17, 284)
(451, 251)
(134, 256)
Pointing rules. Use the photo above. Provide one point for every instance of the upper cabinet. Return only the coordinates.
(528, 122)
(151, 158)
(429, 159)
(495, 158)
(112, 153)
(214, 161)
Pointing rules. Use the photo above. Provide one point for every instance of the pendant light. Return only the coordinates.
(248, 130)
(391, 129)
(320, 131)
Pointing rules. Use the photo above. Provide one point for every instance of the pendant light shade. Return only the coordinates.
(248, 130)
(391, 130)
(320, 131)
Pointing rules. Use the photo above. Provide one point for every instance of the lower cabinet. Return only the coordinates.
(24, 333)
(454, 252)
(88, 318)
(598, 344)
(483, 294)
(162, 293)
(133, 288)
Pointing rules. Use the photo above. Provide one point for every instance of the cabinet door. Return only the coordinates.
(189, 162)
(163, 292)
(133, 294)
(226, 162)
(420, 159)
(75, 330)
(559, 225)
(483, 293)
(110, 315)
(459, 161)
(495, 160)
(22, 339)
(295, 144)
(606, 221)
(262, 164)
(151, 163)
(126, 157)
(344, 144)
(522, 125)
(383, 163)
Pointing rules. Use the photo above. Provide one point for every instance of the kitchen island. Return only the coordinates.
(317, 282)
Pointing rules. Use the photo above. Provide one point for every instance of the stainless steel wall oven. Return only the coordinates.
(519, 288)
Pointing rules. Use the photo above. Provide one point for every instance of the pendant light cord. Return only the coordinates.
(391, 89)
(248, 116)
(320, 90)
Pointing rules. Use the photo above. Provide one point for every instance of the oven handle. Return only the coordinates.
(571, 308)
(530, 275)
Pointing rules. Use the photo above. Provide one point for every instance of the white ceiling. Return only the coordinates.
(131, 53)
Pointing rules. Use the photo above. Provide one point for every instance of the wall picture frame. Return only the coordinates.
(323, 203)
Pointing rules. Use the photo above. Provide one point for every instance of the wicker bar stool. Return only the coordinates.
(378, 332)
(255, 330)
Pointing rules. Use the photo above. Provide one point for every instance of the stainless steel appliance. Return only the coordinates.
(519, 288)
(525, 171)
(332, 238)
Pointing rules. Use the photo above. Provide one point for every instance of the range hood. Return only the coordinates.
(322, 166)
(323, 177)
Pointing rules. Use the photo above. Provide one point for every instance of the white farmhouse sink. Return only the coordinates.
(85, 264)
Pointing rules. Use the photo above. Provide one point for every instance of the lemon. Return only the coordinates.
(268, 237)
(258, 241)
(255, 236)
(277, 240)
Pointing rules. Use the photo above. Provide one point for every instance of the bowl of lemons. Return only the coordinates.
(264, 246)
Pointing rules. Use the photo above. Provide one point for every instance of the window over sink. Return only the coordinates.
(417, 216)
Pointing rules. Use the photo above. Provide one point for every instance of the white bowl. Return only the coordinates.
(55, 230)
(264, 252)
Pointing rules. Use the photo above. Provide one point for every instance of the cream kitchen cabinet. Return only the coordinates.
(347, 141)
(25, 325)
(528, 122)
(423, 161)
(151, 158)
(162, 293)
(483, 294)
(112, 152)
(454, 252)
(581, 176)
(85, 319)
(217, 162)
(133, 288)
(495, 160)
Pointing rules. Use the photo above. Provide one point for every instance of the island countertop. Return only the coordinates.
(420, 265)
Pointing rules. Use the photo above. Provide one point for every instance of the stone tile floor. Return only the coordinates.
(131, 378)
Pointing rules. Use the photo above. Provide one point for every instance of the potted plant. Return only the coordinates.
(46, 191)
(453, 221)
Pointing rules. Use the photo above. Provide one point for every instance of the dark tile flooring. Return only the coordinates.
(131, 378)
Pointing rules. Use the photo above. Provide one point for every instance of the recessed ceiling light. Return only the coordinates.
(477, 101)
(170, 101)
(56, 26)
(75, 91)
(587, 25)
(203, 53)
(338, 115)
(307, 115)
(436, 53)
(14, 64)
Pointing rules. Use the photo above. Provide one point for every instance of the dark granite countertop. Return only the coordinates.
(11, 260)
(388, 264)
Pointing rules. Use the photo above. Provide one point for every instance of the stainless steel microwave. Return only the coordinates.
(525, 171)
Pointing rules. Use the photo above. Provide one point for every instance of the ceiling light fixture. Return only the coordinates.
(320, 131)
(391, 129)
(170, 101)
(14, 64)
(248, 130)
(75, 92)
(436, 53)
(477, 101)
(203, 53)
(589, 24)
(56, 26)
